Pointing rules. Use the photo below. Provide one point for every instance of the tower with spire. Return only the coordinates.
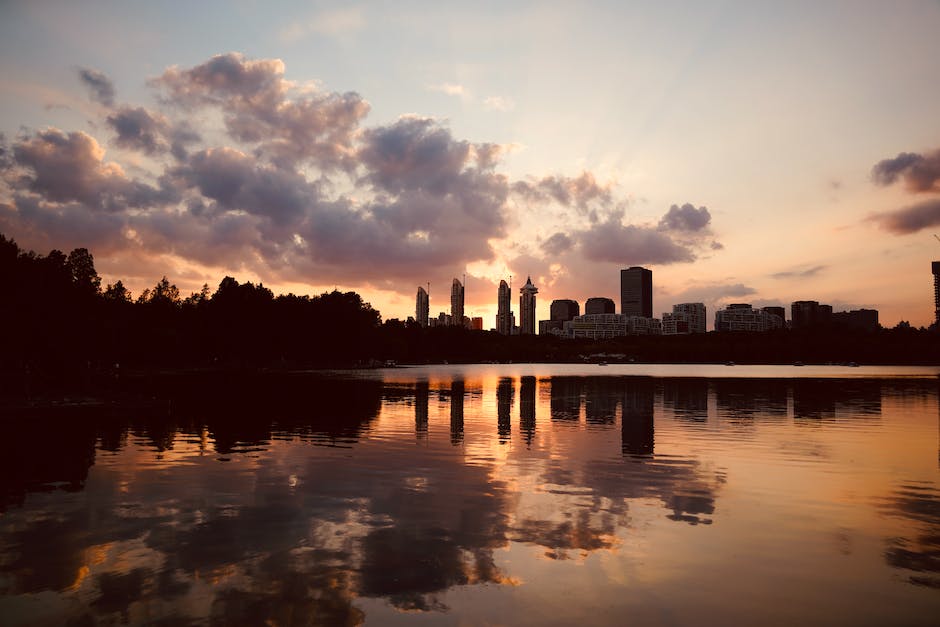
(527, 307)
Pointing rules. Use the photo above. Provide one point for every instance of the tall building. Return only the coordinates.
(456, 303)
(780, 312)
(685, 318)
(564, 309)
(527, 307)
(504, 319)
(806, 314)
(859, 319)
(599, 305)
(422, 307)
(935, 266)
(636, 292)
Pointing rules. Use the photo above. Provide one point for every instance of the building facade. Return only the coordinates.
(456, 303)
(685, 318)
(743, 317)
(604, 326)
(935, 266)
(858, 319)
(504, 317)
(636, 292)
(599, 305)
(422, 307)
(780, 312)
(806, 314)
(527, 308)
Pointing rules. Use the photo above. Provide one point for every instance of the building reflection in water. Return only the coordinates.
(743, 400)
(687, 398)
(456, 411)
(600, 401)
(504, 395)
(637, 418)
(566, 398)
(422, 396)
(527, 408)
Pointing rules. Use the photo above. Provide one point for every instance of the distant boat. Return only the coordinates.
(797, 363)
(602, 363)
(852, 364)
(729, 363)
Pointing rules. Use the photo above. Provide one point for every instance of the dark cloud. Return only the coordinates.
(260, 106)
(571, 192)
(138, 129)
(64, 168)
(99, 86)
(685, 218)
(557, 244)
(920, 173)
(910, 219)
(802, 274)
(614, 242)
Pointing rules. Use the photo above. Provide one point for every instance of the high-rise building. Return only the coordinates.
(504, 319)
(564, 309)
(636, 292)
(685, 318)
(599, 305)
(422, 307)
(456, 303)
(935, 266)
(527, 307)
(780, 312)
(806, 314)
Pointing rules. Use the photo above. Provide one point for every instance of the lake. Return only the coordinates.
(480, 495)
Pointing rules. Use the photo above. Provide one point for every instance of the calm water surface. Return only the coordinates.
(483, 495)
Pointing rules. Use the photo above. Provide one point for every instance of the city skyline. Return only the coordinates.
(742, 151)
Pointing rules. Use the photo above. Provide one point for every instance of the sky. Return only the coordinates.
(757, 152)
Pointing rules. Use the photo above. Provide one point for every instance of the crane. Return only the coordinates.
(937, 236)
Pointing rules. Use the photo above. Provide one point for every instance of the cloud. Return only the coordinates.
(576, 192)
(801, 274)
(69, 167)
(920, 173)
(451, 89)
(138, 129)
(614, 242)
(99, 86)
(557, 244)
(910, 219)
(498, 103)
(685, 218)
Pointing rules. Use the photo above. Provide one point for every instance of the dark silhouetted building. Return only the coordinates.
(780, 312)
(527, 308)
(504, 318)
(456, 303)
(685, 318)
(422, 307)
(636, 292)
(743, 317)
(808, 314)
(561, 311)
(599, 305)
(935, 266)
(860, 319)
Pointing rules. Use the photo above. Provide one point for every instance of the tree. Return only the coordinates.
(81, 266)
(163, 293)
(117, 293)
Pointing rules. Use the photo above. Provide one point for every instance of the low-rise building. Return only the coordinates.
(743, 317)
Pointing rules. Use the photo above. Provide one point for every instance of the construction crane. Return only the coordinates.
(937, 236)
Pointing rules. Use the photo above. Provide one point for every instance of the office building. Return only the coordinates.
(599, 305)
(743, 317)
(504, 318)
(476, 323)
(527, 307)
(456, 303)
(422, 307)
(857, 319)
(560, 312)
(636, 292)
(685, 318)
(604, 326)
(808, 314)
(780, 312)
(935, 266)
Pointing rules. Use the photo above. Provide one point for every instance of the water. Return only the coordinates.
(468, 495)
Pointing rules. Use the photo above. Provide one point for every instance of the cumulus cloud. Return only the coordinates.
(910, 219)
(451, 89)
(261, 107)
(614, 242)
(920, 172)
(557, 244)
(99, 86)
(138, 129)
(685, 218)
(577, 192)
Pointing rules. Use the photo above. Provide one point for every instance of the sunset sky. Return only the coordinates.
(758, 152)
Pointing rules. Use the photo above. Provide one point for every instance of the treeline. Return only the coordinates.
(62, 330)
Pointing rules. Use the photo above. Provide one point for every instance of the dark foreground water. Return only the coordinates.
(481, 495)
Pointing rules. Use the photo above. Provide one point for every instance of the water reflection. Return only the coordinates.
(130, 514)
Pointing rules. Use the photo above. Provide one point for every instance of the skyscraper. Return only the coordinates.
(456, 303)
(504, 321)
(564, 309)
(527, 307)
(636, 292)
(599, 305)
(935, 266)
(422, 307)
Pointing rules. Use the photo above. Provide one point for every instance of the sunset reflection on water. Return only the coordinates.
(505, 495)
